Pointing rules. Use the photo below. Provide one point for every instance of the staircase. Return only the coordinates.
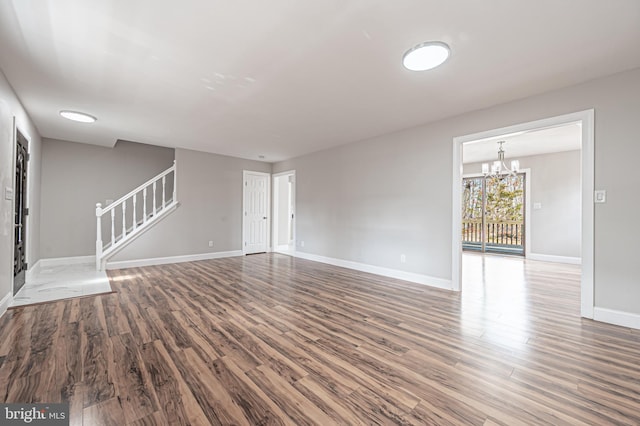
(134, 213)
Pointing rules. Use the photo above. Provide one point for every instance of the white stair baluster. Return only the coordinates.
(113, 227)
(164, 182)
(98, 235)
(175, 181)
(135, 221)
(104, 252)
(144, 205)
(124, 219)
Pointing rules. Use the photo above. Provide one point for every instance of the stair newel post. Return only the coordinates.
(175, 181)
(98, 235)
(113, 226)
(164, 183)
(124, 218)
(154, 197)
(144, 205)
(135, 222)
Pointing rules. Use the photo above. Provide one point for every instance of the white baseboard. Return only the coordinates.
(611, 316)
(31, 272)
(62, 261)
(378, 270)
(171, 259)
(6, 301)
(555, 259)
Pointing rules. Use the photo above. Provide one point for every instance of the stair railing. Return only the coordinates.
(118, 209)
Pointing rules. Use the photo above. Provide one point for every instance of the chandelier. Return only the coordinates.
(499, 168)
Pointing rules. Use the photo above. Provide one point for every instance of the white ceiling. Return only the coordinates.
(282, 78)
(544, 141)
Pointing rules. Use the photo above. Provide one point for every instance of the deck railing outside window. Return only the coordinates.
(503, 233)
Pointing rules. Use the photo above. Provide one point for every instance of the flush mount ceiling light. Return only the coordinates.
(78, 116)
(426, 56)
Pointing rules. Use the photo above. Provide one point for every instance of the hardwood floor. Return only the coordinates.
(270, 339)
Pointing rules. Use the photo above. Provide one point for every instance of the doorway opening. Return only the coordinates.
(20, 212)
(284, 196)
(583, 201)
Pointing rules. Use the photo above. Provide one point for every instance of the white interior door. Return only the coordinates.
(255, 212)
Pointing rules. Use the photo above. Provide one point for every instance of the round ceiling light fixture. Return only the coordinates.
(78, 116)
(426, 56)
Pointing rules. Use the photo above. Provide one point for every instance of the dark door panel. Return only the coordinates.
(20, 225)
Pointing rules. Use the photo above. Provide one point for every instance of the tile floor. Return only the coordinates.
(62, 282)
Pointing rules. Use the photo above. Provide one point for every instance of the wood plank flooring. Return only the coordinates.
(270, 339)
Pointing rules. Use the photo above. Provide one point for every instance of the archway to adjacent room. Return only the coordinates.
(585, 120)
(284, 217)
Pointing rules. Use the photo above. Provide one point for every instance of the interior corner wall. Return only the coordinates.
(555, 228)
(76, 176)
(373, 200)
(210, 197)
(11, 107)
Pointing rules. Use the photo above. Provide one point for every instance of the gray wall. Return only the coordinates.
(370, 201)
(10, 107)
(373, 201)
(76, 176)
(210, 196)
(555, 184)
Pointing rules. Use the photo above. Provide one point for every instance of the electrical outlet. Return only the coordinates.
(301, 243)
(210, 243)
(600, 196)
(403, 258)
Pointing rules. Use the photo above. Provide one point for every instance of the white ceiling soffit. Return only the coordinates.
(283, 78)
(567, 137)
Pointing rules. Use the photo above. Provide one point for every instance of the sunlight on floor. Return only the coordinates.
(125, 277)
(494, 291)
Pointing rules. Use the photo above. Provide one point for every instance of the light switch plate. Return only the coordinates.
(537, 206)
(8, 193)
(600, 196)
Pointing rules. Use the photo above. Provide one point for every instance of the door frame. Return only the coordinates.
(275, 212)
(27, 258)
(245, 173)
(527, 207)
(587, 118)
